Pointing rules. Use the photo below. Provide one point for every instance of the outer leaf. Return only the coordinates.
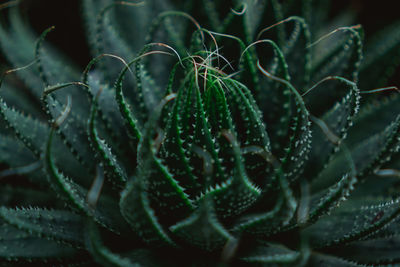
(18, 196)
(21, 42)
(251, 17)
(373, 117)
(383, 51)
(18, 96)
(118, 174)
(353, 222)
(31, 132)
(298, 53)
(107, 108)
(272, 254)
(381, 251)
(52, 224)
(14, 153)
(331, 130)
(318, 259)
(19, 245)
(106, 213)
(72, 131)
(388, 142)
(102, 36)
(323, 202)
(133, 126)
(369, 155)
(345, 60)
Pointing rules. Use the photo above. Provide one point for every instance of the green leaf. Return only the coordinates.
(273, 13)
(100, 23)
(172, 152)
(19, 245)
(381, 251)
(118, 174)
(136, 209)
(330, 131)
(383, 51)
(134, 30)
(18, 46)
(134, 126)
(251, 17)
(164, 190)
(297, 152)
(202, 228)
(345, 60)
(106, 211)
(73, 130)
(271, 254)
(108, 39)
(250, 129)
(352, 222)
(278, 217)
(323, 202)
(367, 156)
(210, 7)
(198, 134)
(169, 27)
(135, 203)
(56, 225)
(377, 150)
(19, 96)
(111, 124)
(236, 194)
(263, 223)
(318, 259)
(144, 86)
(297, 52)
(20, 196)
(148, 89)
(14, 153)
(373, 117)
(275, 100)
(30, 131)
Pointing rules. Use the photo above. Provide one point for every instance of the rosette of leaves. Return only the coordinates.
(236, 138)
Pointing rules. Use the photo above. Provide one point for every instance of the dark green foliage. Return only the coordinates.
(202, 133)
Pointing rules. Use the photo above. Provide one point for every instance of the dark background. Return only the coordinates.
(69, 35)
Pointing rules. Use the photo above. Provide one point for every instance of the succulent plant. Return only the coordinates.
(210, 133)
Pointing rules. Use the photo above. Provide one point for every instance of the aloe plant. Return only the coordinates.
(200, 134)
